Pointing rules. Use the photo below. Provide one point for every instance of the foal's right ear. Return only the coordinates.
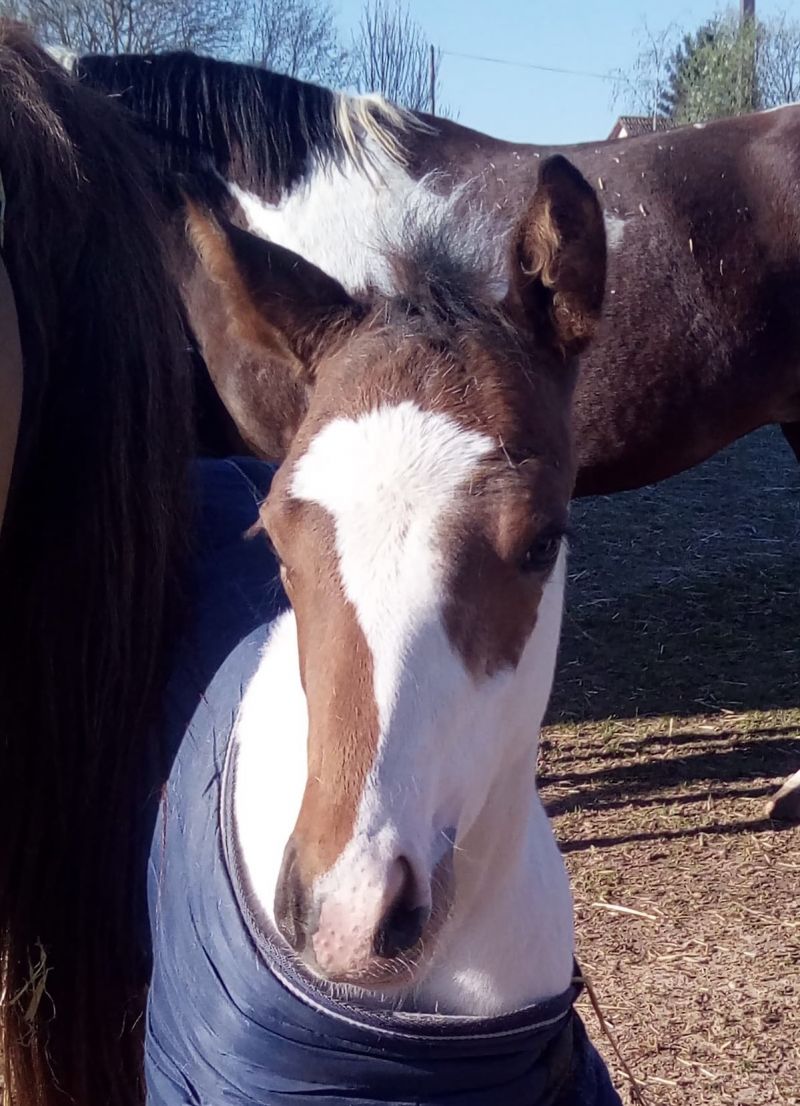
(275, 300)
(558, 260)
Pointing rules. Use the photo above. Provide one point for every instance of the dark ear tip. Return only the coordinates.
(559, 171)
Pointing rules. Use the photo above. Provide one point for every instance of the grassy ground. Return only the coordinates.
(676, 711)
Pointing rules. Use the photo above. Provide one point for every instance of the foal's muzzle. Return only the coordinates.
(361, 930)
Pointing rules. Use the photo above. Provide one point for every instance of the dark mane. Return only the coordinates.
(91, 554)
(252, 126)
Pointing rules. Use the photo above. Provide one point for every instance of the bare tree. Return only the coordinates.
(298, 37)
(11, 9)
(779, 61)
(142, 26)
(643, 88)
(391, 55)
(729, 66)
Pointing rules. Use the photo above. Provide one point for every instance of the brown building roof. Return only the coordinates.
(629, 126)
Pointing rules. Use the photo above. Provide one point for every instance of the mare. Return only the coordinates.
(383, 799)
(95, 441)
(698, 344)
(699, 338)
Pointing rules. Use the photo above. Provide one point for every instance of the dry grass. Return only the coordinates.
(675, 714)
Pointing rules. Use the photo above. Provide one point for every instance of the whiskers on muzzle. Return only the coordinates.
(372, 925)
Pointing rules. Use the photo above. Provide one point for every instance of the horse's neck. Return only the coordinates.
(342, 215)
(508, 940)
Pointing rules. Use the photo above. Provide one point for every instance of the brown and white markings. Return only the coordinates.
(697, 346)
(384, 797)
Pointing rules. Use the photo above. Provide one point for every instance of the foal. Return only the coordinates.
(382, 806)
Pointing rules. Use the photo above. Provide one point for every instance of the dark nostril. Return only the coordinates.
(400, 930)
(291, 914)
(404, 921)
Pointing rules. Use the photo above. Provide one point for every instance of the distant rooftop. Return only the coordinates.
(629, 126)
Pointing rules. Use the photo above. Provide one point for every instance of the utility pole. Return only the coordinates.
(433, 78)
(747, 24)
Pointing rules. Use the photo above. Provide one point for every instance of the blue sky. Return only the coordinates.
(527, 106)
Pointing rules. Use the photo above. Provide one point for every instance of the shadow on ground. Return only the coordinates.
(727, 759)
(683, 598)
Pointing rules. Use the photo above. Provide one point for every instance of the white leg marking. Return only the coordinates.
(785, 803)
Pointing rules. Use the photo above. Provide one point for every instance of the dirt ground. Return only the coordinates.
(675, 714)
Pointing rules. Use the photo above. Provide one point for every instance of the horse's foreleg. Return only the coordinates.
(785, 803)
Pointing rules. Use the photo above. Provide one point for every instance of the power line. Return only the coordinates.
(532, 65)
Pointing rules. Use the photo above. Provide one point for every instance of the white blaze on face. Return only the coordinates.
(389, 481)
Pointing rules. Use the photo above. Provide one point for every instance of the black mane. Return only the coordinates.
(254, 127)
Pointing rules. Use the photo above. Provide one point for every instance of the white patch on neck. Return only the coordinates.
(615, 229)
(337, 217)
(271, 760)
(344, 218)
(510, 938)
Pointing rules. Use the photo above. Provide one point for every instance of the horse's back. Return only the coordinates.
(699, 339)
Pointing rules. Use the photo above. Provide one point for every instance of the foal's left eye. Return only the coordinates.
(542, 554)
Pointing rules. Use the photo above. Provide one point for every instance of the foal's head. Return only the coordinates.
(419, 518)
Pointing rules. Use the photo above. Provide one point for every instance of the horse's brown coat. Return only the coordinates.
(699, 340)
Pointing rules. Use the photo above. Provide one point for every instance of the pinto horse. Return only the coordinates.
(699, 336)
(95, 442)
(396, 867)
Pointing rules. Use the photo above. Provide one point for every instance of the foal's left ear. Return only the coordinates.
(558, 260)
(275, 300)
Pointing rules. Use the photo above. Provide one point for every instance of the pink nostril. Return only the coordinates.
(404, 919)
